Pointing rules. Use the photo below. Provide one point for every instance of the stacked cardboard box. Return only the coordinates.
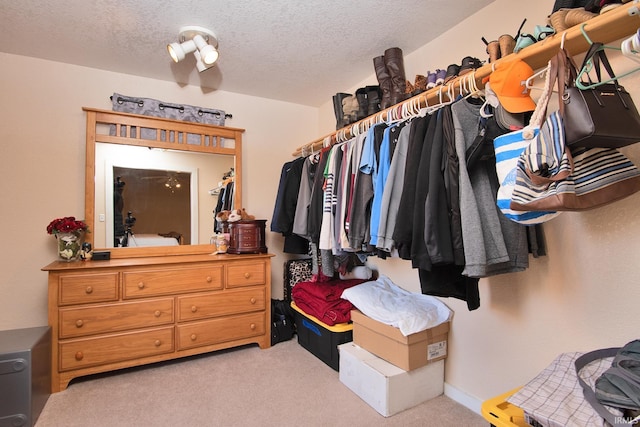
(392, 372)
(388, 343)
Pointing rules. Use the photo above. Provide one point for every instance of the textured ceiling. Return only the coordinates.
(301, 51)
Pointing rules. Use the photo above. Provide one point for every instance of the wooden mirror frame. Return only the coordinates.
(210, 142)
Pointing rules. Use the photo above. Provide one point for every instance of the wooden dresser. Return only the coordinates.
(107, 315)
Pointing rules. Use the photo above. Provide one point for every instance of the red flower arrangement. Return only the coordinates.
(68, 224)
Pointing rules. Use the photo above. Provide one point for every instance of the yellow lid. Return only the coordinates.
(339, 327)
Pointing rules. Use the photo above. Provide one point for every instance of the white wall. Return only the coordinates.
(42, 149)
(583, 295)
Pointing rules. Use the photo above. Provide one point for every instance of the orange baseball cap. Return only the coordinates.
(508, 81)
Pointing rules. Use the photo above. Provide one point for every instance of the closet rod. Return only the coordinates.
(618, 23)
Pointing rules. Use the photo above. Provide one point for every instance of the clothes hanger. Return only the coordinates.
(472, 87)
(441, 103)
(354, 129)
(538, 74)
(424, 111)
(589, 66)
(631, 47)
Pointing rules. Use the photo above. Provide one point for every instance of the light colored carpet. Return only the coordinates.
(284, 385)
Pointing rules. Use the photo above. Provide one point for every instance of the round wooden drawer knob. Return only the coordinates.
(157, 343)
(140, 285)
(89, 289)
(79, 323)
(79, 356)
(157, 313)
(253, 300)
(193, 337)
(194, 308)
(253, 326)
(209, 279)
(247, 275)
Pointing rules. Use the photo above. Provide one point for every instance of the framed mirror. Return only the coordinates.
(185, 163)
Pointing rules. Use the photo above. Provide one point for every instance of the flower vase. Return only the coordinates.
(70, 245)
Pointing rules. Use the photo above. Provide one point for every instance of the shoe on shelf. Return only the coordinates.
(507, 44)
(577, 16)
(469, 64)
(440, 76)
(452, 72)
(374, 96)
(337, 109)
(420, 85)
(363, 103)
(431, 80)
(409, 88)
(350, 109)
(493, 50)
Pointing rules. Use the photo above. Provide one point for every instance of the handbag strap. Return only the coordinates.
(566, 77)
(589, 394)
(540, 112)
(597, 56)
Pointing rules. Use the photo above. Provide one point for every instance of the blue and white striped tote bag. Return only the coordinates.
(508, 148)
(550, 176)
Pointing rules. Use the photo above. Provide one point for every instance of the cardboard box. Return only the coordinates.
(385, 387)
(321, 339)
(387, 342)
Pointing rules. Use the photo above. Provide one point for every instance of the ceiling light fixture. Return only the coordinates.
(202, 42)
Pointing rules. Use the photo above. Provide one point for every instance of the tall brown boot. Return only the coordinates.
(395, 64)
(384, 81)
(493, 49)
(507, 44)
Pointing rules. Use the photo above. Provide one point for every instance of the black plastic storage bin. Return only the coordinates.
(321, 339)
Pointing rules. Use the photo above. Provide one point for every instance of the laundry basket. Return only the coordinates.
(501, 413)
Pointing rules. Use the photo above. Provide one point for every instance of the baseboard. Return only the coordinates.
(463, 398)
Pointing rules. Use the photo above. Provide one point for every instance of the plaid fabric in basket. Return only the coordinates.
(554, 397)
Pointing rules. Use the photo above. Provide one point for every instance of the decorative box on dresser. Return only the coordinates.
(247, 237)
(107, 315)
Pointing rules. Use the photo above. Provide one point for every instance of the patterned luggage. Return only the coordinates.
(295, 271)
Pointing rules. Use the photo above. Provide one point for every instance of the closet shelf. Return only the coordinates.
(621, 22)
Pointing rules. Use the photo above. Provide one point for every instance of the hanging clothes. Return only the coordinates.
(285, 207)
(419, 255)
(304, 196)
(393, 191)
(412, 189)
(485, 247)
(314, 219)
(363, 192)
(356, 158)
(437, 227)
(389, 141)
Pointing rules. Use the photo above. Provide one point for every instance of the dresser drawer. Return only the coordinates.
(138, 284)
(217, 304)
(115, 348)
(220, 330)
(88, 288)
(246, 274)
(76, 322)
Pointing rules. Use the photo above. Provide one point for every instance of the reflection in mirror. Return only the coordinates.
(145, 172)
(136, 195)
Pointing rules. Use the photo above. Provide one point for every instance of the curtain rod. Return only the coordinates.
(163, 106)
(620, 22)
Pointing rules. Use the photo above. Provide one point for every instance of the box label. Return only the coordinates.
(435, 350)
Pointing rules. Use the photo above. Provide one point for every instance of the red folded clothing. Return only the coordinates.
(323, 300)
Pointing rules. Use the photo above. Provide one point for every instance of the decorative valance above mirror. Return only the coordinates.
(171, 155)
